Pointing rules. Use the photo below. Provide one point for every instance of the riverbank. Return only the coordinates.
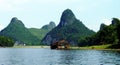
(96, 47)
(31, 47)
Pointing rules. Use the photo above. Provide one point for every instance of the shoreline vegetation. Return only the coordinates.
(97, 47)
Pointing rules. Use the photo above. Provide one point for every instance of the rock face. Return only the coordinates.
(67, 18)
(115, 21)
(69, 28)
(17, 30)
(102, 26)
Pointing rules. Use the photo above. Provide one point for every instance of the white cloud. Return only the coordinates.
(106, 21)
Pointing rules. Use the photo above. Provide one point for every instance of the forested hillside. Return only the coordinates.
(17, 31)
(106, 35)
(69, 28)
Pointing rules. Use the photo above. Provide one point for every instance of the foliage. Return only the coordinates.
(69, 28)
(106, 35)
(6, 42)
(72, 32)
(19, 32)
(40, 33)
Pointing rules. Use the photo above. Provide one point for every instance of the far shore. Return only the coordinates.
(31, 47)
(98, 47)
(91, 48)
(95, 47)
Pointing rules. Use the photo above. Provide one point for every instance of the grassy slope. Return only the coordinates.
(97, 47)
(39, 33)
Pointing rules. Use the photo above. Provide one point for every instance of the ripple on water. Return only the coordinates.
(29, 56)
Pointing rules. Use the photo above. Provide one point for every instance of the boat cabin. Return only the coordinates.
(62, 44)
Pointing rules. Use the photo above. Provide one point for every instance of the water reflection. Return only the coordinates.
(110, 57)
(89, 57)
(67, 57)
(27, 56)
(11, 56)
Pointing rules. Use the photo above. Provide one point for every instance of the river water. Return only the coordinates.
(42, 56)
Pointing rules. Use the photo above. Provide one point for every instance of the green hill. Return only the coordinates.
(106, 35)
(69, 28)
(20, 33)
(40, 33)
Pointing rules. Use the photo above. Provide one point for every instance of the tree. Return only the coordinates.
(6, 42)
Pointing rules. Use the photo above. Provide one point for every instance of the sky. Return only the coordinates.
(36, 13)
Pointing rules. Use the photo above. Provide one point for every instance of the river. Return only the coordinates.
(46, 56)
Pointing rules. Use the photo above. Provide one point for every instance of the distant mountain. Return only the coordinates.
(49, 26)
(69, 28)
(40, 33)
(17, 30)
